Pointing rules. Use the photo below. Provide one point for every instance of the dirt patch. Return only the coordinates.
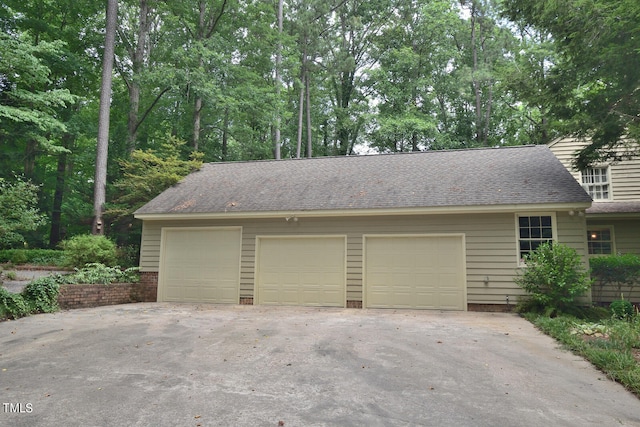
(605, 338)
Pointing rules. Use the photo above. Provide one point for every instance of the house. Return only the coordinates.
(613, 220)
(427, 230)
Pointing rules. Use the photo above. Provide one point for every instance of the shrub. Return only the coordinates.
(12, 305)
(31, 256)
(554, 278)
(96, 273)
(618, 270)
(19, 257)
(622, 309)
(41, 295)
(87, 248)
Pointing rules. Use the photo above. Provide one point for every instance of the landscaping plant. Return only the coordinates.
(616, 271)
(96, 273)
(622, 309)
(554, 278)
(86, 248)
(611, 345)
(12, 305)
(41, 295)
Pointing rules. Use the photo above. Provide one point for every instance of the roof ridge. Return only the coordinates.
(392, 154)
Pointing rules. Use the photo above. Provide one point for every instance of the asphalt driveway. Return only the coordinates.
(211, 365)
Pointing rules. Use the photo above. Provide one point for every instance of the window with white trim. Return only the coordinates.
(600, 241)
(533, 230)
(595, 181)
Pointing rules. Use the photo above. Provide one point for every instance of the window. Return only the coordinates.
(595, 181)
(600, 241)
(532, 232)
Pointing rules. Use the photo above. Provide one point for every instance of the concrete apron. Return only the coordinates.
(211, 365)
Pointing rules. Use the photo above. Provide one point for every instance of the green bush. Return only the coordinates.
(41, 295)
(554, 278)
(12, 306)
(618, 270)
(31, 256)
(96, 273)
(87, 248)
(622, 309)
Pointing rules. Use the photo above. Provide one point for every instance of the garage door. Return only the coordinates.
(301, 271)
(425, 272)
(200, 265)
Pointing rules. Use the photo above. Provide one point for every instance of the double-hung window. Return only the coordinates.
(595, 181)
(600, 240)
(533, 230)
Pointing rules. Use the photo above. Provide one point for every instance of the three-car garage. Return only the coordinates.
(203, 264)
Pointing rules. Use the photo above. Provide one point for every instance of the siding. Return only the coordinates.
(625, 175)
(491, 250)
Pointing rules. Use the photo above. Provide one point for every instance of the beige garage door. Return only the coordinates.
(301, 271)
(425, 272)
(200, 265)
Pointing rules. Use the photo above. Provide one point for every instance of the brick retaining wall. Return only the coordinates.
(83, 296)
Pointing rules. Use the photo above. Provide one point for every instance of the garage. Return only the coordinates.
(415, 271)
(301, 270)
(200, 265)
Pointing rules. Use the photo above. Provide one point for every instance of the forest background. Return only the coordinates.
(226, 80)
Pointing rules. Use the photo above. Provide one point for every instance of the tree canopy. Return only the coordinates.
(238, 80)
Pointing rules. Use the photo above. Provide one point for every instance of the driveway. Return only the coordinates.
(211, 365)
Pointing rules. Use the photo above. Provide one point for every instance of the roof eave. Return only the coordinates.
(434, 210)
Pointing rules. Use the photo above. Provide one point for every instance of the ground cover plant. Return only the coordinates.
(611, 344)
(41, 295)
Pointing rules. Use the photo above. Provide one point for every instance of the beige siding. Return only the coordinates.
(605, 294)
(491, 248)
(625, 175)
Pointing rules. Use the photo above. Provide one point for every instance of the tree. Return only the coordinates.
(102, 150)
(414, 53)
(145, 175)
(28, 102)
(18, 211)
(595, 92)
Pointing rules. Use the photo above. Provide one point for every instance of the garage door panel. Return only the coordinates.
(200, 265)
(306, 270)
(415, 272)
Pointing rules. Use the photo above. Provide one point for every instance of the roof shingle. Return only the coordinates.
(477, 177)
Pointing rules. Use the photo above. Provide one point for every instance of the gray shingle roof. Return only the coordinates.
(456, 178)
(621, 207)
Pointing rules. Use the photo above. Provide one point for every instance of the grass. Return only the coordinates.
(611, 345)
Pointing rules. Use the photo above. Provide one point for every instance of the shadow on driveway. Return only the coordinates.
(212, 365)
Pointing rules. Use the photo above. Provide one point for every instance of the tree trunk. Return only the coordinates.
(300, 117)
(197, 105)
(136, 67)
(309, 130)
(30, 158)
(277, 150)
(197, 110)
(56, 234)
(476, 84)
(102, 147)
(225, 135)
